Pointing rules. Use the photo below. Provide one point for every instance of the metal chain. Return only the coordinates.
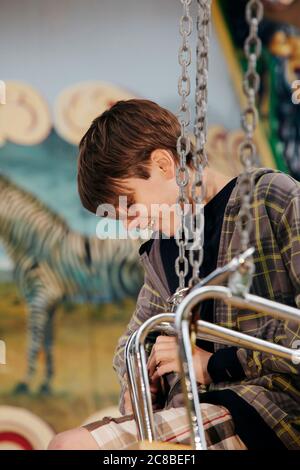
(249, 119)
(200, 131)
(240, 281)
(183, 142)
(199, 159)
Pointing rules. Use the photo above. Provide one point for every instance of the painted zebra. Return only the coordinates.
(53, 263)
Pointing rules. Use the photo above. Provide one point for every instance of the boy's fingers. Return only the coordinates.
(164, 369)
(164, 363)
(161, 342)
(161, 355)
(162, 347)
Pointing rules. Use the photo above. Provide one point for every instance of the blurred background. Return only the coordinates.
(66, 296)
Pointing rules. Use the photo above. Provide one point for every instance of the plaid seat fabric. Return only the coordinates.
(171, 426)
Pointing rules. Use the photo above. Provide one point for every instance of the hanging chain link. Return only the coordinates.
(183, 142)
(200, 131)
(251, 84)
(249, 119)
(199, 159)
(240, 281)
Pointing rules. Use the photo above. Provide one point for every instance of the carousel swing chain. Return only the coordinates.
(200, 130)
(183, 142)
(249, 119)
(184, 146)
(240, 281)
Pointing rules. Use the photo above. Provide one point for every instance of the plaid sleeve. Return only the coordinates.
(149, 303)
(286, 333)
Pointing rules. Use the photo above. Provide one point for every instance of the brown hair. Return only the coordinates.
(118, 146)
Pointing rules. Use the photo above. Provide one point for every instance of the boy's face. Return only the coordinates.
(155, 198)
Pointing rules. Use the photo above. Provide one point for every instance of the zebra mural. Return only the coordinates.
(53, 263)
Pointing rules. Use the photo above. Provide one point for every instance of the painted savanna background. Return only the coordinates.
(65, 295)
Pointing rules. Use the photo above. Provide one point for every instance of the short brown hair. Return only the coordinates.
(118, 146)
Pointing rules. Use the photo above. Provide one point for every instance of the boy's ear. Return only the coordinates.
(164, 162)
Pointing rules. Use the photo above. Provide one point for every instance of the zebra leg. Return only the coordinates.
(38, 317)
(45, 387)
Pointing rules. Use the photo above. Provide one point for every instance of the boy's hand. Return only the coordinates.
(154, 389)
(127, 403)
(200, 360)
(164, 359)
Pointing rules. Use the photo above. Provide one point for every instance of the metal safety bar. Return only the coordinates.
(134, 377)
(137, 373)
(184, 325)
(218, 276)
(136, 362)
(138, 381)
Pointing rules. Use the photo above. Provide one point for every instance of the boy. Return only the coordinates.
(252, 400)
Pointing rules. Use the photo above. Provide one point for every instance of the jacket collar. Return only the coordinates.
(235, 199)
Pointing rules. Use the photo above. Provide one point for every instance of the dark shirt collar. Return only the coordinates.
(209, 209)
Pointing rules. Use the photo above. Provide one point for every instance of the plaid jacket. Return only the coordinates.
(272, 385)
